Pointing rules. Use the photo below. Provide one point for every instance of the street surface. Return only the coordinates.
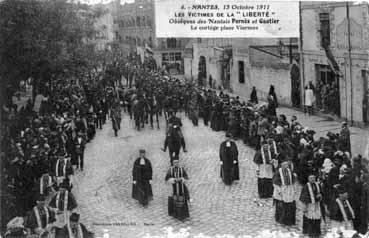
(103, 190)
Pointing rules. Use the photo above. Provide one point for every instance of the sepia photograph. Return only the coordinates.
(184, 119)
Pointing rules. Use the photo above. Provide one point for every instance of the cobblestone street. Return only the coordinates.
(103, 190)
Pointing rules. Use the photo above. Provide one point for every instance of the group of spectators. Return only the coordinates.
(43, 145)
(42, 148)
(287, 152)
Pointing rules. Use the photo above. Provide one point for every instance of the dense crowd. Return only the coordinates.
(335, 183)
(43, 146)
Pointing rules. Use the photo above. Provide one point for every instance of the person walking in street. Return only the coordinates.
(64, 201)
(284, 195)
(79, 144)
(273, 95)
(73, 229)
(342, 213)
(309, 100)
(116, 118)
(344, 138)
(142, 179)
(228, 153)
(265, 166)
(311, 198)
(178, 202)
(40, 219)
(254, 96)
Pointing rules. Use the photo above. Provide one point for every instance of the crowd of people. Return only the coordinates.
(335, 183)
(44, 146)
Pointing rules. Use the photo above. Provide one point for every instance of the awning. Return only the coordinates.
(332, 62)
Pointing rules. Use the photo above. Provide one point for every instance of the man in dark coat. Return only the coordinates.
(142, 179)
(254, 96)
(228, 153)
(79, 144)
(344, 138)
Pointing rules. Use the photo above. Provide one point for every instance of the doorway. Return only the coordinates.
(295, 86)
(327, 91)
(202, 71)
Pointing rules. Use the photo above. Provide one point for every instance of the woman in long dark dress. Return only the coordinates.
(142, 178)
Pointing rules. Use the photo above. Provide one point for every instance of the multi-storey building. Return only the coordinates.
(104, 28)
(135, 31)
(335, 56)
(239, 65)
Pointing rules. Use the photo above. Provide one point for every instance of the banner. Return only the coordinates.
(226, 19)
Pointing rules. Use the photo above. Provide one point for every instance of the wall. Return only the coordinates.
(261, 77)
(261, 71)
(314, 54)
(212, 56)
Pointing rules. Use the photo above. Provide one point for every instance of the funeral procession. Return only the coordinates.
(109, 131)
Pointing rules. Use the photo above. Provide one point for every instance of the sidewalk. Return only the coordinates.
(322, 125)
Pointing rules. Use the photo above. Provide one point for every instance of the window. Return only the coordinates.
(241, 72)
(178, 56)
(165, 57)
(171, 43)
(325, 34)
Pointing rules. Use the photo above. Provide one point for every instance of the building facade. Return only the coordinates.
(135, 31)
(104, 27)
(334, 52)
(238, 65)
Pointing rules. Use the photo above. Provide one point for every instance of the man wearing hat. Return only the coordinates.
(228, 153)
(73, 229)
(40, 218)
(142, 179)
(64, 201)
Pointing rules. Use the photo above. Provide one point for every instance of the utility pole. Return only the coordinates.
(350, 60)
(301, 61)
